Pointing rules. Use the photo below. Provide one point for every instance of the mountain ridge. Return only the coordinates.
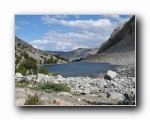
(23, 51)
(119, 48)
(75, 54)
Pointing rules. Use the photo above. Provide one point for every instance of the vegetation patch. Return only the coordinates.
(55, 74)
(50, 87)
(33, 100)
(44, 71)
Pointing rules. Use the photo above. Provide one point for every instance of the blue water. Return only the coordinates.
(79, 68)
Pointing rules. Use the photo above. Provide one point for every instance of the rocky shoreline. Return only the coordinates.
(114, 88)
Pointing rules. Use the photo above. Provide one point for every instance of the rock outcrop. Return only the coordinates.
(118, 89)
(125, 33)
(119, 48)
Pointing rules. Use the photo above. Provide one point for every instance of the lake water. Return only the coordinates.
(79, 68)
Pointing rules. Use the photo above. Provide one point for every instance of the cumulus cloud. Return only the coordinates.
(103, 25)
(77, 23)
(83, 33)
(119, 19)
(69, 41)
(35, 47)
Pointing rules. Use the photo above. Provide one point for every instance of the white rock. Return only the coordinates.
(59, 77)
(65, 93)
(78, 99)
(86, 91)
(102, 95)
(47, 76)
(19, 75)
(72, 90)
(116, 96)
(56, 82)
(112, 74)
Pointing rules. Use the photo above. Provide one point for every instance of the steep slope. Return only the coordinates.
(124, 33)
(24, 51)
(119, 48)
(75, 54)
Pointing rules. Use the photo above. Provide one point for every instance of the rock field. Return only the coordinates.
(118, 90)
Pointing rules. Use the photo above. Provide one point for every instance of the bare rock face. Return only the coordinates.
(119, 49)
(119, 34)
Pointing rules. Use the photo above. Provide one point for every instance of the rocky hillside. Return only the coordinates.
(75, 54)
(119, 48)
(122, 37)
(24, 51)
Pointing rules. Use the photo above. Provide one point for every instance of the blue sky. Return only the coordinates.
(66, 32)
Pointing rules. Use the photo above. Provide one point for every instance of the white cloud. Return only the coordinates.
(103, 25)
(119, 19)
(85, 24)
(23, 22)
(17, 27)
(35, 47)
(85, 33)
(69, 41)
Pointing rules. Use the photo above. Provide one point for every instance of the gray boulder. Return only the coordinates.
(19, 75)
(112, 74)
(102, 95)
(86, 91)
(115, 96)
(65, 94)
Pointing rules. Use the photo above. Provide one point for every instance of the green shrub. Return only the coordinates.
(21, 70)
(26, 56)
(43, 71)
(64, 59)
(18, 58)
(49, 87)
(23, 81)
(41, 62)
(56, 87)
(55, 74)
(33, 100)
(19, 44)
(28, 64)
(30, 72)
(35, 72)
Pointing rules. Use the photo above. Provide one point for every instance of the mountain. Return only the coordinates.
(25, 51)
(119, 48)
(75, 54)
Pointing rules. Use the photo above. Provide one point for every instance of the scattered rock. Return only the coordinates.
(102, 95)
(19, 75)
(115, 96)
(56, 101)
(65, 93)
(20, 102)
(78, 99)
(112, 74)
